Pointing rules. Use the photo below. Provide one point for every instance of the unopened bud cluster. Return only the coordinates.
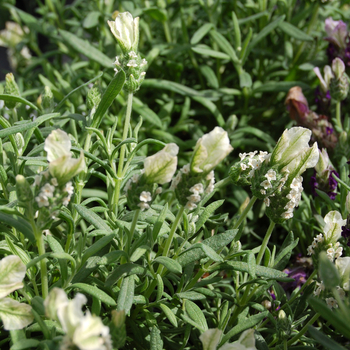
(134, 67)
(190, 189)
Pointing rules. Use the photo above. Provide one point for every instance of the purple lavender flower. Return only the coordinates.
(300, 276)
(337, 32)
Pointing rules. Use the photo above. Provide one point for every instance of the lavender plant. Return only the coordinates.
(135, 213)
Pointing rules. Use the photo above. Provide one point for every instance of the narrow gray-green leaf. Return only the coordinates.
(92, 218)
(205, 51)
(243, 325)
(224, 45)
(126, 294)
(169, 314)
(264, 32)
(196, 314)
(108, 97)
(200, 33)
(212, 108)
(18, 222)
(97, 246)
(170, 264)
(324, 340)
(127, 269)
(23, 126)
(207, 212)
(156, 342)
(12, 98)
(25, 344)
(94, 291)
(85, 48)
(294, 32)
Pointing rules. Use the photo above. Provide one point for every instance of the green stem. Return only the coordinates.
(245, 212)
(119, 178)
(338, 115)
(43, 269)
(167, 32)
(166, 249)
(291, 300)
(265, 242)
(222, 183)
(172, 231)
(303, 330)
(132, 230)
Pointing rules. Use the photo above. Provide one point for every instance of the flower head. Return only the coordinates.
(160, 167)
(337, 32)
(125, 28)
(210, 150)
(62, 166)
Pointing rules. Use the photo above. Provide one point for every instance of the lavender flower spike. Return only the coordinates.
(337, 32)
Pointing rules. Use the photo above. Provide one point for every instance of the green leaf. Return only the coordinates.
(209, 76)
(191, 295)
(12, 98)
(209, 252)
(200, 33)
(75, 90)
(328, 272)
(136, 255)
(324, 196)
(196, 314)
(245, 80)
(324, 340)
(85, 48)
(146, 113)
(207, 212)
(170, 264)
(91, 20)
(112, 257)
(224, 45)
(216, 242)
(169, 314)
(243, 325)
(212, 107)
(160, 287)
(261, 271)
(159, 223)
(95, 292)
(256, 132)
(127, 269)
(13, 218)
(171, 86)
(156, 342)
(285, 252)
(158, 14)
(264, 32)
(26, 125)
(25, 344)
(108, 97)
(294, 32)
(334, 317)
(276, 86)
(206, 51)
(126, 294)
(92, 218)
(97, 246)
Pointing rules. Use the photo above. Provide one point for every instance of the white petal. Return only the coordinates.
(12, 272)
(57, 144)
(15, 315)
(211, 338)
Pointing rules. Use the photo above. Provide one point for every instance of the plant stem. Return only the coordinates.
(119, 178)
(43, 269)
(303, 330)
(132, 230)
(166, 249)
(265, 242)
(172, 231)
(245, 212)
(338, 115)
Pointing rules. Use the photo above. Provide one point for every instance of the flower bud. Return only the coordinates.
(11, 88)
(297, 104)
(93, 97)
(62, 166)
(343, 266)
(283, 325)
(209, 151)
(23, 190)
(125, 28)
(337, 32)
(47, 100)
(339, 84)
